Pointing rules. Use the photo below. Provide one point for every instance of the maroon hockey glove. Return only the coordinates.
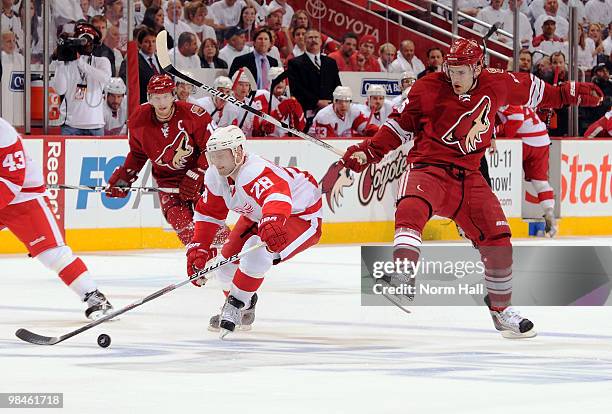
(191, 185)
(271, 232)
(581, 94)
(353, 163)
(197, 256)
(122, 177)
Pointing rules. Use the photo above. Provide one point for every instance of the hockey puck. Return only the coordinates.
(104, 340)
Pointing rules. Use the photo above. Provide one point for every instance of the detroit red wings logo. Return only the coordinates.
(333, 183)
(467, 131)
(176, 154)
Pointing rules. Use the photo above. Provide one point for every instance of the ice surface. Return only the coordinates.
(313, 347)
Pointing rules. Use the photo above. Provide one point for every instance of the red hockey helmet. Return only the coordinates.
(464, 52)
(83, 29)
(160, 84)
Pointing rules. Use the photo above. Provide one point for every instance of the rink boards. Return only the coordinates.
(358, 208)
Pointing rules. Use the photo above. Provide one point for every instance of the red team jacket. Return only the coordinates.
(174, 147)
(456, 130)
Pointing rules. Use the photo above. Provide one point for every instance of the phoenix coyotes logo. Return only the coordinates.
(467, 131)
(333, 183)
(176, 154)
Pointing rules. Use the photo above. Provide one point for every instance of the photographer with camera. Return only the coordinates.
(79, 80)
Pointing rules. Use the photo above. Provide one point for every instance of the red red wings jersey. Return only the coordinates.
(454, 129)
(523, 122)
(380, 117)
(327, 123)
(261, 188)
(174, 146)
(600, 128)
(20, 178)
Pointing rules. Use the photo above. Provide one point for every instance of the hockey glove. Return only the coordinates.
(197, 257)
(581, 94)
(357, 159)
(122, 177)
(190, 188)
(271, 232)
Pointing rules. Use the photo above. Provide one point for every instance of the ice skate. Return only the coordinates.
(248, 317)
(230, 316)
(551, 223)
(98, 305)
(510, 323)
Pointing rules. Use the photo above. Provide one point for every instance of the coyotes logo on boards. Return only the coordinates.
(467, 131)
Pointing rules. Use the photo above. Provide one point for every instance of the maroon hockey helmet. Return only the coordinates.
(160, 84)
(83, 29)
(464, 52)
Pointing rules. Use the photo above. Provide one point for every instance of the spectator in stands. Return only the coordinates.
(226, 13)
(248, 17)
(435, 58)
(598, 11)
(406, 59)
(36, 24)
(607, 43)
(81, 83)
(558, 76)
(257, 61)
(492, 13)
(543, 68)
(173, 24)
(209, 55)
(10, 55)
(298, 36)
(471, 7)
(347, 49)
(113, 11)
(195, 16)
(551, 8)
(111, 40)
(587, 52)
(84, 4)
(287, 11)
(548, 42)
(184, 55)
(564, 6)
(274, 19)
(9, 21)
(96, 7)
(594, 33)
(184, 90)
(236, 45)
(102, 50)
(507, 20)
(148, 65)
(365, 60)
(406, 81)
(64, 11)
(154, 18)
(525, 61)
(301, 19)
(313, 77)
(386, 53)
(115, 108)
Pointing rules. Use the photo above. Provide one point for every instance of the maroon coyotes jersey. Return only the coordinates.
(457, 129)
(173, 147)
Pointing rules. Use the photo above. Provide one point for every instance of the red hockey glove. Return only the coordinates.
(581, 94)
(357, 159)
(122, 177)
(266, 128)
(271, 232)
(191, 185)
(197, 256)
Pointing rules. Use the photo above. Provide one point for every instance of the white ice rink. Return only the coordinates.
(313, 348)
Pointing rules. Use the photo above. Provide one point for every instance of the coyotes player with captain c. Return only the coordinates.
(452, 116)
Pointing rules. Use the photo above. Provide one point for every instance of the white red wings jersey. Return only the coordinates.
(377, 118)
(261, 188)
(523, 122)
(115, 123)
(20, 178)
(223, 116)
(245, 119)
(327, 123)
(600, 128)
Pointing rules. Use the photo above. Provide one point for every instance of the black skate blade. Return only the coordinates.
(36, 339)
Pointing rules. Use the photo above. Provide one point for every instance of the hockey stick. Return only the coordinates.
(100, 188)
(164, 60)
(36, 339)
(486, 37)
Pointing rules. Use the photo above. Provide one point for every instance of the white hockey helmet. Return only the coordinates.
(223, 82)
(274, 72)
(227, 137)
(115, 86)
(408, 75)
(343, 93)
(376, 90)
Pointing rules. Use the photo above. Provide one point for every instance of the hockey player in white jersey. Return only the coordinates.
(222, 113)
(115, 108)
(341, 118)
(406, 81)
(245, 90)
(25, 210)
(376, 109)
(523, 122)
(184, 90)
(280, 206)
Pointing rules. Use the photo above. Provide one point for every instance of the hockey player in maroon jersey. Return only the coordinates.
(26, 212)
(452, 114)
(173, 136)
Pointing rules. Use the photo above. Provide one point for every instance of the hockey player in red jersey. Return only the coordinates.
(173, 136)
(279, 206)
(452, 116)
(25, 211)
(523, 122)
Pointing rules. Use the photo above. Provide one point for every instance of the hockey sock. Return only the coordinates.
(244, 286)
(546, 195)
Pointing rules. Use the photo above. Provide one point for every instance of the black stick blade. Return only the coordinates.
(36, 339)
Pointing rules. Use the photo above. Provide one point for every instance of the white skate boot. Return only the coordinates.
(98, 305)
(248, 317)
(232, 314)
(551, 223)
(510, 323)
